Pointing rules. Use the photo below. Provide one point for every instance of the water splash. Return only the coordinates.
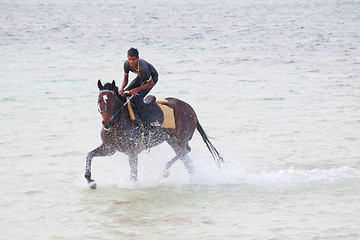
(109, 174)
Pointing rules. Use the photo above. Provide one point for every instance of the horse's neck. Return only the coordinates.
(123, 115)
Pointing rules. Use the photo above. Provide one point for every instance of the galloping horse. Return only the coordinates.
(120, 133)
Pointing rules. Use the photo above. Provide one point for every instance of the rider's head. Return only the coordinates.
(133, 57)
(133, 52)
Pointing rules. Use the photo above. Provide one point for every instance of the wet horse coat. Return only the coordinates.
(120, 133)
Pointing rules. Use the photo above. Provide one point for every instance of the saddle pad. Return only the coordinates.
(169, 118)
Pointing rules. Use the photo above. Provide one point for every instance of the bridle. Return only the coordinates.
(107, 111)
(113, 113)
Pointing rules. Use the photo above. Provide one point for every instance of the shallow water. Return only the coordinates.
(275, 83)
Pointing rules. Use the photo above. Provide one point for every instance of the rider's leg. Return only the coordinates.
(144, 115)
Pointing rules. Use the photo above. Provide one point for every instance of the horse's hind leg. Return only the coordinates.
(188, 164)
(170, 163)
(186, 160)
(181, 153)
(101, 151)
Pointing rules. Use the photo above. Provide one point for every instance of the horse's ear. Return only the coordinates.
(113, 84)
(100, 86)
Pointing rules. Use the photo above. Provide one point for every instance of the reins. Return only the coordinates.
(112, 112)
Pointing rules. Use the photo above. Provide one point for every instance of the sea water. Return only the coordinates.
(276, 84)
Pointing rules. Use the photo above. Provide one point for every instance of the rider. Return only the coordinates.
(145, 80)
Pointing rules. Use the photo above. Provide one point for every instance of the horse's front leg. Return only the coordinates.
(133, 161)
(101, 151)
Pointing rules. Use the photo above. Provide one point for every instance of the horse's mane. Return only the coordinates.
(109, 86)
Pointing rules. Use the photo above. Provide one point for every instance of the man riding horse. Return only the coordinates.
(145, 80)
(120, 132)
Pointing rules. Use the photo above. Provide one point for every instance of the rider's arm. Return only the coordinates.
(125, 82)
(150, 83)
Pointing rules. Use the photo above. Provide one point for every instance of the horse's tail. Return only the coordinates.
(216, 155)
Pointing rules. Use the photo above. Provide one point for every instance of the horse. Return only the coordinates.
(120, 133)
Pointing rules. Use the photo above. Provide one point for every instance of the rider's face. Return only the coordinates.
(133, 61)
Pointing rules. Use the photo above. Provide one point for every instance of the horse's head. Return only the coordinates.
(107, 103)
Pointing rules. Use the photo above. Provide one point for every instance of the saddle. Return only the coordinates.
(160, 114)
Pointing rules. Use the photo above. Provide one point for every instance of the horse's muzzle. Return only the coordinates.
(106, 125)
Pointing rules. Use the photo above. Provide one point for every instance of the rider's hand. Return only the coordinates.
(121, 92)
(132, 91)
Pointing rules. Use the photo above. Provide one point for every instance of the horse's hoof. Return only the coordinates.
(166, 173)
(133, 178)
(92, 185)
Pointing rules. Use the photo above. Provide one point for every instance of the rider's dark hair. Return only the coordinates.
(133, 52)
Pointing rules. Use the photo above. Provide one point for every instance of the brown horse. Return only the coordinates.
(120, 133)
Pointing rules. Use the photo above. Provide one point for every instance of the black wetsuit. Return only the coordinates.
(145, 73)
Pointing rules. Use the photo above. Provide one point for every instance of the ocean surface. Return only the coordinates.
(275, 83)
